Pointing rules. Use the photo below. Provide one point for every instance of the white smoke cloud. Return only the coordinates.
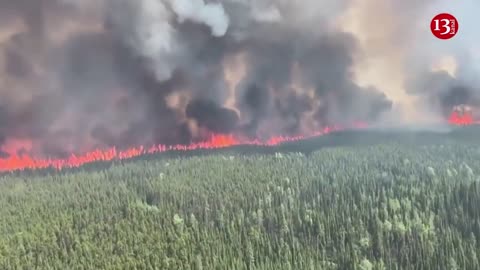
(212, 14)
(146, 26)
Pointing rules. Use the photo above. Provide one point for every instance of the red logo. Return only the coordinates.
(444, 26)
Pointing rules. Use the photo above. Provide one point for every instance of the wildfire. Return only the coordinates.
(24, 161)
(460, 120)
(463, 115)
(216, 141)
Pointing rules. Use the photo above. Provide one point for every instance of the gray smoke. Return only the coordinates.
(443, 74)
(81, 74)
(442, 90)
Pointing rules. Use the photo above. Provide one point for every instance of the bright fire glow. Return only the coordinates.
(216, 141)
(465, 119)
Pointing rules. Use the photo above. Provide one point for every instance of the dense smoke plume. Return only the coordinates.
(80, 74)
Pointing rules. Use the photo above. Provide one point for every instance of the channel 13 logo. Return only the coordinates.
(444, 26)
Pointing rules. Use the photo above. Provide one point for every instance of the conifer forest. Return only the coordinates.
(393, 204)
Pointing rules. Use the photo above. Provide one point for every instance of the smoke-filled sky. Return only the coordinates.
(81, 74)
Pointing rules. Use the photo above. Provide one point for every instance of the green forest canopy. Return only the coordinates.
(393, 205)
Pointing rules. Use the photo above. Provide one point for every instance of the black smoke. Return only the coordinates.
(215, 118)
(78, 79)
(442, 91)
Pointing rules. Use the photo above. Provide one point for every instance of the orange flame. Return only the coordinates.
(464, 119)
(18, 161)
(24, 161)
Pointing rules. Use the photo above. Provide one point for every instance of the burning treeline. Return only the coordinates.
(81, 75)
